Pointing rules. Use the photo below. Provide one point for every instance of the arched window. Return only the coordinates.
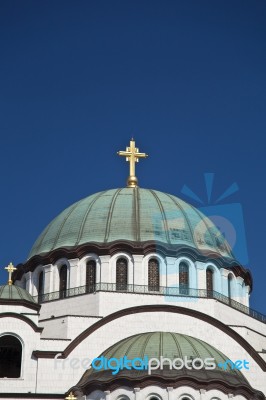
(209, 282)
(90, 276)
(230, 286)
(63, 282)
(121, 274)
(153, 275)
(184, 278)
(40, 287)
(10, 357)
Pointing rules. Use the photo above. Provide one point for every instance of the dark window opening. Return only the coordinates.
(63, 282)
(153, 275)
(121, 274)
(209, 282)
(183, 278)
(10, 357)
(90, 276)
(40, 287)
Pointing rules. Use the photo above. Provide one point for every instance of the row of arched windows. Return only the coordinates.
(122, 278)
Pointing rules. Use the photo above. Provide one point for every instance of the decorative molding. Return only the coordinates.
(22, 318)
(198, 384)
(140, 248)
(20, 302)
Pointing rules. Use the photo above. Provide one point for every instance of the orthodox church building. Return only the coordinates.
(131, 273)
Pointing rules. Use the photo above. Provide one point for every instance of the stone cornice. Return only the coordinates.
(141, 248)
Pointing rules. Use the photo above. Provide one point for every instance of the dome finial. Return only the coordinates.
(132, 155)
(70, 396)
(10, 268)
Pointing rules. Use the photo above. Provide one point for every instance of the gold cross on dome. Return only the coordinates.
(10, 268)
(71, 397)
(132, 155)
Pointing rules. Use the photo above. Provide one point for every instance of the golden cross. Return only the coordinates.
(70, 397)
(10, 268)
(132, 155)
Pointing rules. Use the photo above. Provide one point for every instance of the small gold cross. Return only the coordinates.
(132, 155)
(10, 268)
(71, 397)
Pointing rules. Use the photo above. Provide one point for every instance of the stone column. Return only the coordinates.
(107, 395)
(170, 392)
(105, 269)
(29, 286)
(139, 277)
(224, 276)
(172, 277)
(48, 278)
(201, 271)
(239, 290)
(74, 279)
(137, 393)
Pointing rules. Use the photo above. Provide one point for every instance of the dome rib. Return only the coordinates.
(147, 339)
(166, 227)
(185, 216)
(136, 213)
(110, 213)
(81, 230)
(177, 345)
(205, 223)
(64, 221)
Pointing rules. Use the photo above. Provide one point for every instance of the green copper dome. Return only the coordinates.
(132, 214)
(12, 292)
(168, 345)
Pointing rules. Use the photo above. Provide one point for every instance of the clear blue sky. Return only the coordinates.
(79, 78)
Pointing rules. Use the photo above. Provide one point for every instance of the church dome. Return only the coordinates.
(168, 345)
(131, 214)
(13, 293)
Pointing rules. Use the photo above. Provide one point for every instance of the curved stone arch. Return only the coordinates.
(22, 318)
(130, 267)
(238, 339)
(56, 273)
(123, 393)
(95, 395)
(217, 277)
(153, 396)
(22, 349)
(185, 396)
(35, 279)
(162, 267)
(82, 267)
(193, 276)
(216, 395)
(122, 397)
(233, 285)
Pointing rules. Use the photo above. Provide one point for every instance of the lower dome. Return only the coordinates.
(12, 292)
(155, 345)
(131, 214)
